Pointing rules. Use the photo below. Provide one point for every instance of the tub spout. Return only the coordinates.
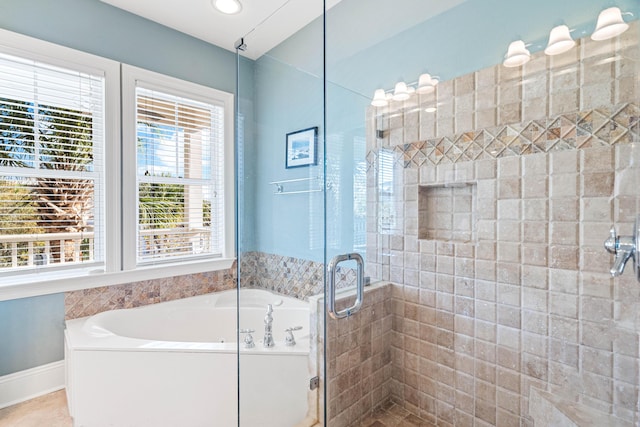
(268, 324)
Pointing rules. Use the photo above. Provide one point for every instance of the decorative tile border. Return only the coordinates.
(88, 302)
(289, 276)
(600, 127)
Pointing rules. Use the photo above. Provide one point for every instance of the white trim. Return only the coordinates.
(50, 283)
(18, 44)
(132, 77)
(31, 383)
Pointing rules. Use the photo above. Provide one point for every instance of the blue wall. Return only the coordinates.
(469, 37)
(31, 332)
(286, 100)
(31, 329)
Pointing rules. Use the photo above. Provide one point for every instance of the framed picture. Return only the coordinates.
(301, 148)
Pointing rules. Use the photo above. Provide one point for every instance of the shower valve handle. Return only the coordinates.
(624, 248)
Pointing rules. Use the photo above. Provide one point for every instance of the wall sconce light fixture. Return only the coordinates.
(401, 92)
(517, 54)
(379, 98)
(610, 24)
(426, 84)
(560, 41)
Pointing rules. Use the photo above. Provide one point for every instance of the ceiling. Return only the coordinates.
(199, 19)
(272, 21)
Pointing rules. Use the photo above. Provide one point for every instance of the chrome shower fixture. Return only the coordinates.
(624, 248)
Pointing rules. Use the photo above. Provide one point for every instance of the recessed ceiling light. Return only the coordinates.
(228, 7)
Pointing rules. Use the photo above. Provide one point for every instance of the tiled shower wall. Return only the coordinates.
(524, 298)
(358, 356)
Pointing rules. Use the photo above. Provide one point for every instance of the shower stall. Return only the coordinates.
(436, 181)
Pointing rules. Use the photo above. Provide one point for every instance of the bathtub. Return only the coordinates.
(176, 364)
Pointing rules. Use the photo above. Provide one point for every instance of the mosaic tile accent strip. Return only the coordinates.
(289, 276)
(88, 302)
(601, 127)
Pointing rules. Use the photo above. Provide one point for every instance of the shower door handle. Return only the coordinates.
(331, 270)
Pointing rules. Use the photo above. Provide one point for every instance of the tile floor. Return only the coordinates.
(51, 411)
(392, 415)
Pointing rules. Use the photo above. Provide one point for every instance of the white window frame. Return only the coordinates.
(132, 77)
(119, 171)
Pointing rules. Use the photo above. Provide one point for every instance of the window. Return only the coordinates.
(132, 177)
(182, 178)
(52, 139)
(179, 160)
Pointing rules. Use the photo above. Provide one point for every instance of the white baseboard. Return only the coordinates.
(30, 383)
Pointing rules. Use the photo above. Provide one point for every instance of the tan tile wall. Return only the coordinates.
(359, 357)
(554, 152)
(446, 212)
(88, 302)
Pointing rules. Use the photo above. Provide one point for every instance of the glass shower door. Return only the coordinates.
(280, 240)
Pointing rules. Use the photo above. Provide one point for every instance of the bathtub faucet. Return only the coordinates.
(268, 322)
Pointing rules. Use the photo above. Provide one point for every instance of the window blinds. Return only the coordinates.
(51, 157)
(179, 176)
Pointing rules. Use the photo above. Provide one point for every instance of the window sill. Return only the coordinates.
(45, 283)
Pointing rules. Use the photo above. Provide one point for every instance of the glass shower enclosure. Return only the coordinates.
(473, 155)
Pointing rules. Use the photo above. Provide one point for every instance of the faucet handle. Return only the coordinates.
(248, 339)
(624, 248)
(289, 339)
(611, 244)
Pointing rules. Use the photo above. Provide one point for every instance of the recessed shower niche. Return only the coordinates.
(446, 212)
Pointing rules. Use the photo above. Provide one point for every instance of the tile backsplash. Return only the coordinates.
(88, 302)
(286, 275)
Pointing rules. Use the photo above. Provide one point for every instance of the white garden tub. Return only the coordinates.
(176, 364)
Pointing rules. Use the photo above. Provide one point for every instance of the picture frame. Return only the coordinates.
(301, 148)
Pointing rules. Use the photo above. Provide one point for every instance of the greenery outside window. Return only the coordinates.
(51, 162)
